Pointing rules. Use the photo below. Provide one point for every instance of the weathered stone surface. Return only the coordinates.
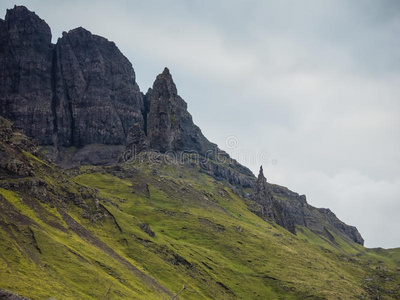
(290, 209)
(169, 127)
(78, 92)
(136, 140)
(344, 229)
(230, 171)
(4, 295)
(270, 207)
(318, 220)
(92, 154)
(82, 91)
(96, 96)
(25, 73)
(146, 228)
(169, 124)
(13, 163)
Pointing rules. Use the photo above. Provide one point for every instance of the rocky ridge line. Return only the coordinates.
(290, 209)
(80, 99)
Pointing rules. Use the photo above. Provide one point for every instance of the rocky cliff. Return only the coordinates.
(79, 99)
(82, 91)
(169, 124)
(26, 73)
(269, 207)
(78, 92)
(96, 98)
(290, 209)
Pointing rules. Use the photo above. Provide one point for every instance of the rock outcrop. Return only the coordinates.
(136, 140)
(290, 209)
(270, 207)
(170, 128)
(25, 73)
(169, 124)
(13, 164)
(4, 295)
(82, 92)
(96, 97)
(223, 167)
(79, 92)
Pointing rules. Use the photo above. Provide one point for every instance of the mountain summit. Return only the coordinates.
(169, 124)
(82, 91)
(79, 92)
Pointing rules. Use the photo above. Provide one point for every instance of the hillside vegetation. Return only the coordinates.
(151, 230)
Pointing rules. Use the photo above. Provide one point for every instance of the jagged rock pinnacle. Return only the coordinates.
(261, 174)
(165, 84)
(166, 71)
(261, 183)
(169, 124)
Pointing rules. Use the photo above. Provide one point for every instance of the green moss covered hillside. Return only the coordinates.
(150, 229)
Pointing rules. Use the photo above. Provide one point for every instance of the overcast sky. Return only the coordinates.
(309, 89)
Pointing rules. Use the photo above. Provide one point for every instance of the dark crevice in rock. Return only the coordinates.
(69, 138)
(54, 98)
(146, 108)
(74, 141)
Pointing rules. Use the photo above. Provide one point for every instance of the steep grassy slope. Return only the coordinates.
(146, 230)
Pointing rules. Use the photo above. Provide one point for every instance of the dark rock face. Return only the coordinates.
(82, 92)
(146, 228)
(4, 295)
(78, 92)
(136, 140)
(169, 124)
(270, 207)
(232, 172)
(290, 209)
(93, 154)
(169, 127)
(346, 230)
(319, 220)
(13, 164)
(25, 73)
(96, 97)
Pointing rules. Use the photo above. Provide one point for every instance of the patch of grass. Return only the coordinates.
(205, 238)
(34, 158)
